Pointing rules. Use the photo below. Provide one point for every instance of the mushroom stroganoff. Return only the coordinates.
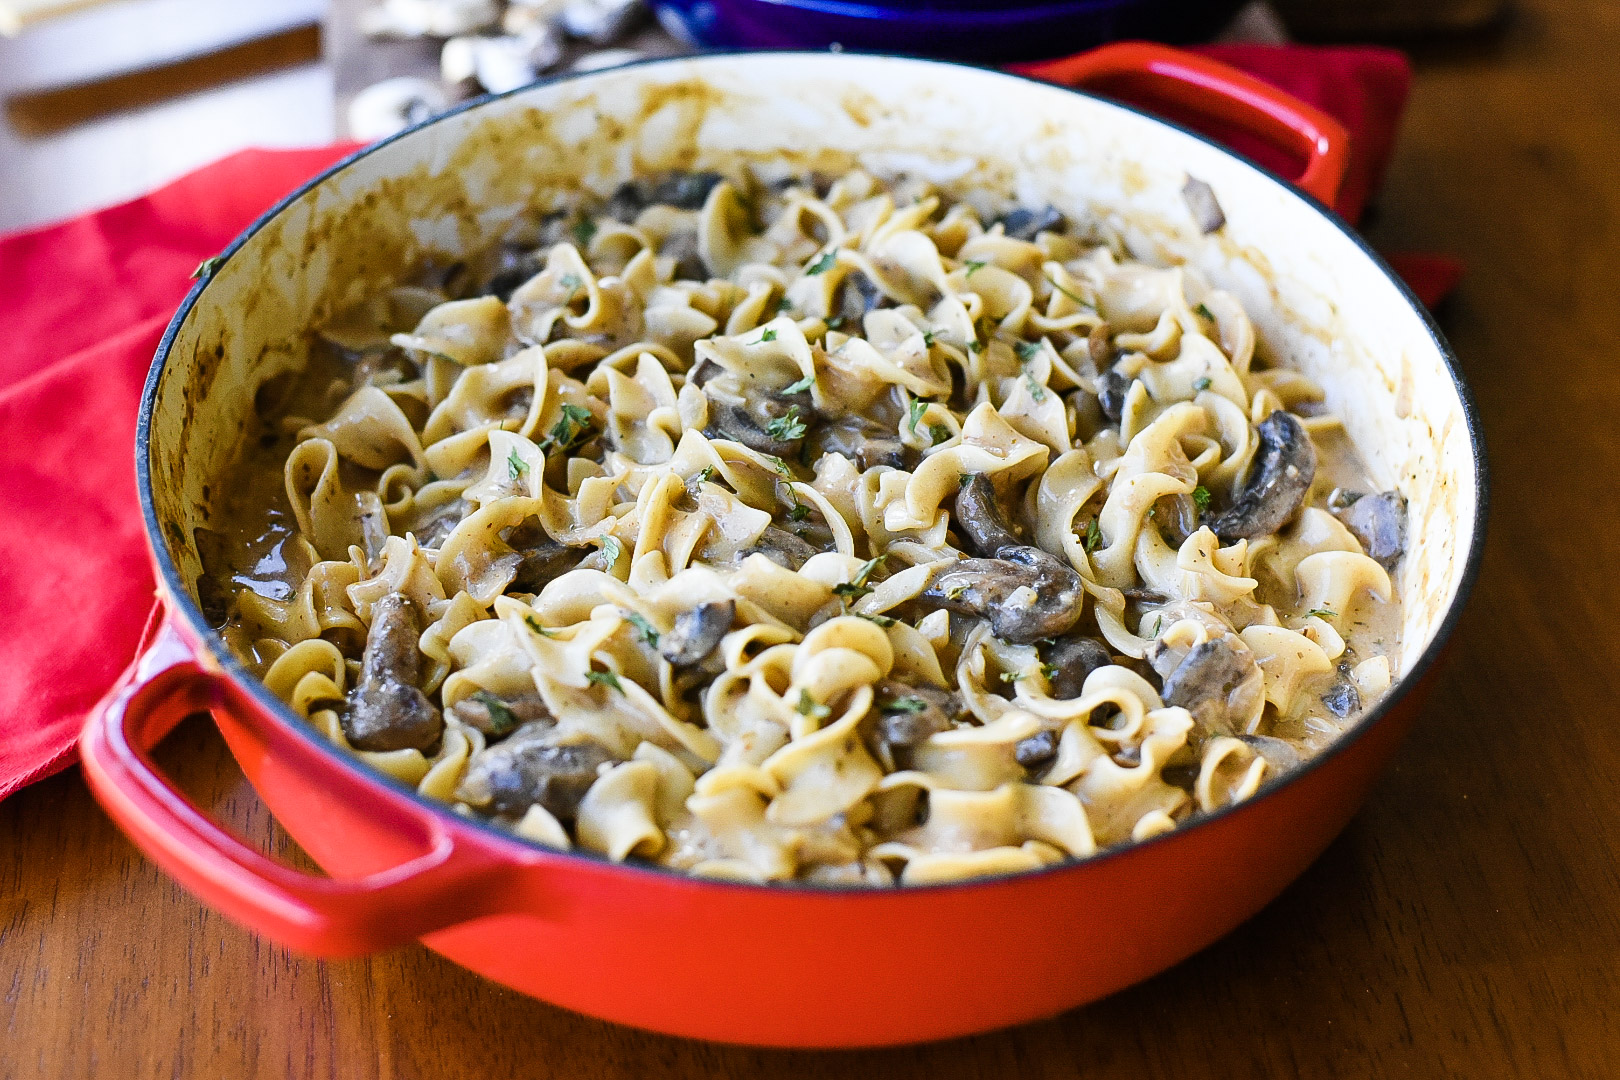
(792, 529)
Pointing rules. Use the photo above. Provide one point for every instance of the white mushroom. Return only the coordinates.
(429, 18)
(602, 21)
(385, 108)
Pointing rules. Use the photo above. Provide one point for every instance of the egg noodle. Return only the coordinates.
(816, 531)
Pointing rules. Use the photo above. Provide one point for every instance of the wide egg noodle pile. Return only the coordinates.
(815, 531)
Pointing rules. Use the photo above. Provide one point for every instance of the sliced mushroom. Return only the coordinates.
(1024, 592)
(514, 265)
(1022, 224)
(1075, 657)
(857, 294)
(1219, 682)
(1379, 522)
(782, 548)
(437, 529)
(1343, 699)
(1202, 204)
(685, 190)
(499, 716)
(1111, 391)
(697, 632)
(909, 714)
(1037, 751)
(1278, 481)
(770, 423)
(533, 766)
(864, 441)
(543, 559)
(386, 709)
(1279, 754)
(980, 519)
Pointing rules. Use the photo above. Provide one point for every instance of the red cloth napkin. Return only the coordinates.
(84, 304)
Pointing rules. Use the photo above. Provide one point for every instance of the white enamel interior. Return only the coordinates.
(1318, 300)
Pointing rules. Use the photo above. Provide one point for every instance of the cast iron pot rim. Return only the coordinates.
(179, 598)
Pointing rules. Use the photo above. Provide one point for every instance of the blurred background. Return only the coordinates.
(105, 99)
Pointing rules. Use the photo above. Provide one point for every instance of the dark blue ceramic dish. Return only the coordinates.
(980, 30)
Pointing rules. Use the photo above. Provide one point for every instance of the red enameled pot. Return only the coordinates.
(776, 965)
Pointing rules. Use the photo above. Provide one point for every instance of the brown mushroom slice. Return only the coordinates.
(769, 423)
(542, 559)
(857, 294)
(980, 519)
(697, 632)
(910, 714)
(1075, 657)
(499, 716)
(1278, 481)
(782, 548)
(864, 441)
(1343, 700)
(1219, 682)
(1280, 755)
(386, 709)
(1379, 522)
(1037, 751)
(1111, 391)
(1025, 224)
(533, 767)
(1025, 593)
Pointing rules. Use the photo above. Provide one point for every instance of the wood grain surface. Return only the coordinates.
(1466, 925)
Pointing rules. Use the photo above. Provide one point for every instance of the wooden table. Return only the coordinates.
(1466, 925)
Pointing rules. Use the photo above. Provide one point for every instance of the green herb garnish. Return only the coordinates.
(704, 476)
(915, 413)
(206, 267)
(928, 338)
(856, 587)
(516, 467)
(1201, 497)
(809, 706)
(1204, 311)
(939, 433)
(501, 719)
(1028, 350)
(973, 267)
(801, 386)
(1079, 300)
(778, 465)
(1322, 613)
(1201, 384)
(786, 428)
(584, 230)
(1036, 390)
(835, 322)
(907, 705)
(569, 430)
(1093, 536)
(882, 620)
(534, 624)
(611, 549)
(822, 265)
(1048, 670)
(649, 632)
(1012, 676)
(956, 592)
(783, 305)
(799, 512)
(964, 479)
(766, 335)
(604, 678)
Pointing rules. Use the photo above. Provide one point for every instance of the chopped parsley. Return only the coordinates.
(704, 476)
(604, 678)
(534, 624)
(611, 549)
(786, 428)
(569, 431)
(956, 592)
(1158, 624)
(1036, 390)
(964, 479)
(767, 335)
(1201, 498)
(1204, 311)
(516, 467)
(799, 512)
(939, 433)
(823, 264)
(206, 267)
(1028, 350)
(1321, 613)
(801, 386)
(777, 465)
(1093, 536)
(649, 632)
(1012, 676)
(915, 413)
(783, 305)
(835, 322)
(573, 283)
(928, 338)
(584, 230)
(882, 620)
(856, 587)
(501, 719)
(909, 704)
(1048, 670)
(1201, 384)
(809, 706)
(975, 346)
(974, 266)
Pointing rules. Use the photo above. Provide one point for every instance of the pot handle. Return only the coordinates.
(1221, 92)
(323, 916)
